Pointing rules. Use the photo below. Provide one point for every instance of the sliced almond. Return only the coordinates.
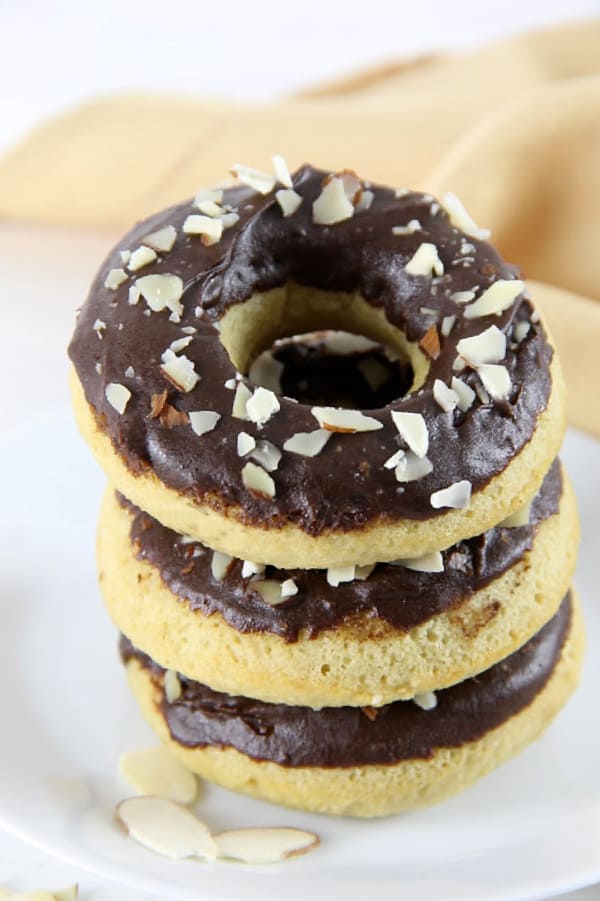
(118, 396)
(411, 467)
(141, 257)
(413, 430)
(465, 394)
(162, 292)
(266, 371)
(220, 565)
(180, 372)
(364, 202)
(264, 845)
(209, 229)
(425, 261)
(428, 563)
(270, 591)
(261, 406)
(496, 380)
(517, 519)
(210, 208)
(340, 342)
(495, 299)
(163, 239)
(245, 444)
(462, 296)
(307, 444)
(266, 455)
(115, 278)
(409, 229)
(457, 495)
(288, 200)
(395, 459)
(67, 894)
(125, 256)
(282, 173)
(430, 342)
(203, 421)
(180, 344)
(521, 331)
(487, 347)
(332, 205)
(229, 220)
(213, 194)
(134, 295)
(338, 574)
(240, 399)
(257, 481)
(262, 182)
(336, 419)
(99, 326)
(288, 588)
(461, 219)
(172, 683)
(426, 700)
(154, 771)
(165, 827)
(249, 568)
(444, 396)
(363, 572)
(447, 325)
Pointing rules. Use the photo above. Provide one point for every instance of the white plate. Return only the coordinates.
(529, 830)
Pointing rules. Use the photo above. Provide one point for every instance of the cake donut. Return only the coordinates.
(303, 637)
(190, 298)
(365, 762)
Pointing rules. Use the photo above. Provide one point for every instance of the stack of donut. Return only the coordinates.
(354, 607)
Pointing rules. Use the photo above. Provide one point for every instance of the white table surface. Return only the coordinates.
(54, 54)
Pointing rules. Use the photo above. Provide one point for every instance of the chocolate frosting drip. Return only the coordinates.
(346, 486)
(354, 736)
(399, 596)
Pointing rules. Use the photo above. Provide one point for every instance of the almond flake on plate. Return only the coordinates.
(163, 239)
(180, 372)
(425, 261)
(220, 565)
(162, 292)
(261, 406)
(171, 680)
(461, 219)
(115, 278)
(495, 299)
(428, 563)
(240, 399)
(266, 371)
(332, 205)
(288, 200)
(487, 347)
(154, 771)
(444, 396)
(337, 574)
(307, 444)
(210, 230)
(203, 421)
(165, 827)
(262, 182)
(282, 173)
(409, 229)
(118, 396)
(426, 700)
(410, 467)
(337, 419)
(447, 325)
(457, 495)
(517, 519)
(465, 394)
(245, 444)
(496, 380)
(141, 257)
(413, 430)
(264, 845)
(257, 481)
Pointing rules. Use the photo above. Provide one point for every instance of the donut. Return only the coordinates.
(295, 637)
(189, 300)
(365, 762)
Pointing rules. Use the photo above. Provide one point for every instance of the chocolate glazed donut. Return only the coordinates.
(161, 356)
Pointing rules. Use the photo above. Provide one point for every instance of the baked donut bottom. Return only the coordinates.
(361, 661)
(481, 732)
(227, 530)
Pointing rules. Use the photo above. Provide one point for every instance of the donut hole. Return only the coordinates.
(333, 368)
(250, 328)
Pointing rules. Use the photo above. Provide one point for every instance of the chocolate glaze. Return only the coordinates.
(348, 736)
(394, 594)
(346, 485)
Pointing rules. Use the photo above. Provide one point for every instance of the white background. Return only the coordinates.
(53, 54)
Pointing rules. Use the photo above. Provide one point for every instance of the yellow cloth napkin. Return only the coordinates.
(513, 129)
